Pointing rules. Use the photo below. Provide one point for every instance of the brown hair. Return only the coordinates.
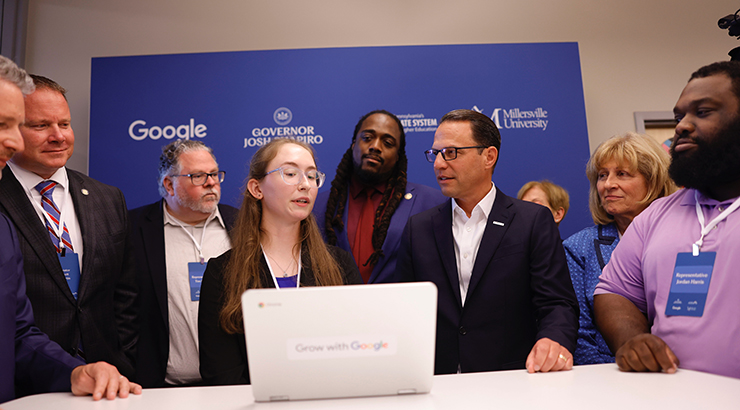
(44, 82)
(242, 271)
(557, 196)
(642, 154)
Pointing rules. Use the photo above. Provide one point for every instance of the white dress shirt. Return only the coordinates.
(467, 234)
(61, 197)
(183, 364)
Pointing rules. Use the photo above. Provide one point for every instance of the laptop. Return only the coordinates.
(340, 341)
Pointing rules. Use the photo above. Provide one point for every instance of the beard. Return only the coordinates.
(371, 178)
(713, 162)
(202, 204)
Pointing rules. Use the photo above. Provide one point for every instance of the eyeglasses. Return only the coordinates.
(200, 178)
(292, 176)
(448, 153)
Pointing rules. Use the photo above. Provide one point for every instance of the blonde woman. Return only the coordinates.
(627, 173)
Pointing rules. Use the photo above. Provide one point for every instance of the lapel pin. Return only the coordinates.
(84, 191)
(408, 195)
(498, 223)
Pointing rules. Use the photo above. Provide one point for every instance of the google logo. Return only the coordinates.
(191, 130)
(369, 346)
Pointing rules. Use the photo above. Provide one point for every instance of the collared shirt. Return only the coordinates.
(641, 270)
(62, 199)
(183, 365)
(357, 200)
(467, 234)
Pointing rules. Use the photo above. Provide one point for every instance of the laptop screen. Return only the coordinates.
(340, 341)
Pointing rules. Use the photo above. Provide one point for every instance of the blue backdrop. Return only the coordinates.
(235, 101)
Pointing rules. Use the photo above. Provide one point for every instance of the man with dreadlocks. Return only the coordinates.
(370, 200)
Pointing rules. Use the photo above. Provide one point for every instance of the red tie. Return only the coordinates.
(363, 246)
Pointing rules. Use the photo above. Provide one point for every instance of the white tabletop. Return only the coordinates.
(585, 387)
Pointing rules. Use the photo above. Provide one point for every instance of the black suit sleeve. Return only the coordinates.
(223, 357)
(404, 266)
(553, 298)
(126, 303)
(350, 273)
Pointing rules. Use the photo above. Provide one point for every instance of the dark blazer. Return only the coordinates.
(223, 357)
(417, 198)
(104, 318)
(36, 364)
(519, 291)
(147, 233)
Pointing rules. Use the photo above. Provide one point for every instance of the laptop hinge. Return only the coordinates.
(407, 391)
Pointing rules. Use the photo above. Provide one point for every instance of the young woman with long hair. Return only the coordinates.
(275, 243)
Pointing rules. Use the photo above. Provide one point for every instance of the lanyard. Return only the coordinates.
(705, 229)
(272, 274)
(198, 246)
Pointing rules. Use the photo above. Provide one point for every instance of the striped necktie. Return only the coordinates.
(46, 188)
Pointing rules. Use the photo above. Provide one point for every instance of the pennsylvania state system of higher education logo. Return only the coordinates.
(282, 116)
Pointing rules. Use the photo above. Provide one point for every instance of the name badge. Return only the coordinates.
(195, 271)
(70, 262)
(690, 284)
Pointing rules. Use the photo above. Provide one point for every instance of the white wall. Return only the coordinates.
(636, 55)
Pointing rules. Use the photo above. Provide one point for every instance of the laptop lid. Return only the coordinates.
(340, 341)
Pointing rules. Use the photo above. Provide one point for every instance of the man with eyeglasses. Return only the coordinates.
(73, 233)
(173, 239)
(370, 199)
(505, 297)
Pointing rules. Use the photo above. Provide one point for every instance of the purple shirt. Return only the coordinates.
(287, 282)
(641, 270)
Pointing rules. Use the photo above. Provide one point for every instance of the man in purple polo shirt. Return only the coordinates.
(670, 295)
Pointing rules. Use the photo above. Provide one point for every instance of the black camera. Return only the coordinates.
(731, 23)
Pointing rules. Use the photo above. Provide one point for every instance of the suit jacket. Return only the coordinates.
(519, 291)
(223, 357)
(103, 319)
(421, 198)
(147, 233)
(587, 252)
(36, 364)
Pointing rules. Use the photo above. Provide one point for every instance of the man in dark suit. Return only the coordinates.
(505, 297)
(370, 200)
(80, 272)
(173, 238)
(35, 364)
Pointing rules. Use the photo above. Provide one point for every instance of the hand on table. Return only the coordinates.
(646, 352)
(548, 355)
(101, 378)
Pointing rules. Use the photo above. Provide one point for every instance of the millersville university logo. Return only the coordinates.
(517, 118)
